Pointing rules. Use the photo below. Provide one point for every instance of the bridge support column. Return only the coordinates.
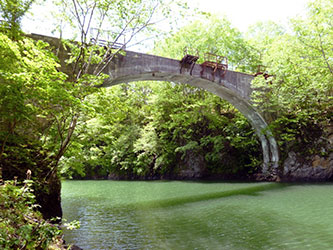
(268, 143)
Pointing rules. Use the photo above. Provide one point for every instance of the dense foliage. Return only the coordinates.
(139, 134)
(40, 104)
(11, 14)
(21, 225)
(298, 101)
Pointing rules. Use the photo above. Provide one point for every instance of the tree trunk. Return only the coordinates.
(49, 198)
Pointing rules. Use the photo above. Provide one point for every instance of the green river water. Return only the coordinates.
(198, 215)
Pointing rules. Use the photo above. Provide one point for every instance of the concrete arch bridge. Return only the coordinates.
(234, 87)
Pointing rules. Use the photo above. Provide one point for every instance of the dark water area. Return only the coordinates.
(198, 215)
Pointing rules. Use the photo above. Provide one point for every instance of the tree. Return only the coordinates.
(298, 100)
(213, 35)
(260, 37)
(40, 107)
(97, 46)
(34, 96)
(12, 11)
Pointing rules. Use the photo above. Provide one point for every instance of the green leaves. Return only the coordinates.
(297, 101)
(214, 35)
(21, 226)
(11, 13)
(39, 107)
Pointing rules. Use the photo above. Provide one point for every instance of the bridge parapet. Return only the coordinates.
(138, 66)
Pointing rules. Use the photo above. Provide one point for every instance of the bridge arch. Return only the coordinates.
(233, 87)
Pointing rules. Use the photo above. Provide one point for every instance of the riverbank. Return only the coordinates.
(295, 168)
(307, 159)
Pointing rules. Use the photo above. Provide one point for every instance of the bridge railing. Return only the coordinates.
(114, 45)
(107, 38)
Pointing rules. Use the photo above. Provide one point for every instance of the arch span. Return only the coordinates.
(233, 87)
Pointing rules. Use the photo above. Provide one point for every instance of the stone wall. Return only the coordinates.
(315, 167)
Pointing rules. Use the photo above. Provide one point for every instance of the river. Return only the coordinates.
(198, 215)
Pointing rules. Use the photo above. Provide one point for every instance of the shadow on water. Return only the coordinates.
(167, 224)
(220, 225)
(200, 221)
(225, 228)
(250, 191)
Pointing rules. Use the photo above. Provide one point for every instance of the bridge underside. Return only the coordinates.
(233, 87)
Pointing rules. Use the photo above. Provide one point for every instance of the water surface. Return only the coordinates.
(198, 215)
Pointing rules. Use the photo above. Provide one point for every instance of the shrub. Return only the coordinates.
(21, 225)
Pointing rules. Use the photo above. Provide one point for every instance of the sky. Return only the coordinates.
(243, 13)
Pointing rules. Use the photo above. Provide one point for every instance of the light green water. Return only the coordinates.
(198, 215)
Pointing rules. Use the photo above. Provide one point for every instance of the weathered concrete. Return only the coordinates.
(234, 87)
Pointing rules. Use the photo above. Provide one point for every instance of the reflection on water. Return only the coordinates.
(194, 215)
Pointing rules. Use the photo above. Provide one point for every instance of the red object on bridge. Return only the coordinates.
(261, 70)
(188, 60)
(216, 63)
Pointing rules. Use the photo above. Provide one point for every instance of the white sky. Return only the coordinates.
(243, 13)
